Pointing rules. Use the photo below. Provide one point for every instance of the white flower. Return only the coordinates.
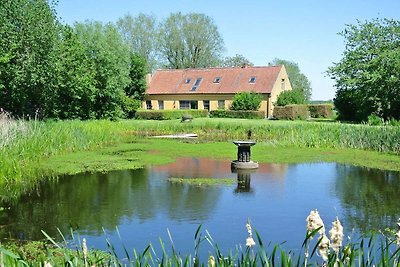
(84, 249)
(248, 226)
(336, 235)
(314, 222)
(250, 242)
(211, 261)
(47, 264)
(323, 247)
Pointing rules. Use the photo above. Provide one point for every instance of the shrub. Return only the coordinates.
(240, 114)
(130, 105)
(290, 97)
(320, 110)
(170, 114)
(375, 120)
(291, 112)
(246, 101)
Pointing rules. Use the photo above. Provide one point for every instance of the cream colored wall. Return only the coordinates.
(172, 101)
(277, 89)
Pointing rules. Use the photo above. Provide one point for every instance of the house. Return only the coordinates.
(214, 88)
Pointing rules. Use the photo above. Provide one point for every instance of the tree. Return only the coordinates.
(28, 37)
(246, 101)
(137, 74)
(290, 97)
(140, 33)
(111, 58)
(236, 61)
(298, 80)
(190, 41)
(367, 77)
(75, 82)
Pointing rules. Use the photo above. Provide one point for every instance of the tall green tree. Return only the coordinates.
(367, 77)
(111, 58)
(75, 82)
(137, 73)
(190, 41)
(140, 33)
(298, 80)
(28, 37)
(236, 61)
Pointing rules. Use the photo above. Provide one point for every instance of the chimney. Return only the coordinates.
(148, 79)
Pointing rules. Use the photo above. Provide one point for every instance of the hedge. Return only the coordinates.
(321, 110)
(169, 114)
(291, 112)
(239, 114)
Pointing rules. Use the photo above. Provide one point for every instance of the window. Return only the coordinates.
(221, 104)
(283, 85)
(252, 79)
(196, 84)
(186, 104)
(194, 104)
(217, 80)
(160, 104)
(206, 104)
(148, 104)
(187, 80)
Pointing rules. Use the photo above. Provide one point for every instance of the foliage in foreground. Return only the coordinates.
(317, 249)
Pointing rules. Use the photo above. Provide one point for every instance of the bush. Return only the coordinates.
(239, 114)
(290, 97)
(246, 101)
(375, 120)
(170, 114)
(130, 105)
(321, 110)
(291, 112)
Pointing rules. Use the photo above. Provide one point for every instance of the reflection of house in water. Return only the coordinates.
(207, 167)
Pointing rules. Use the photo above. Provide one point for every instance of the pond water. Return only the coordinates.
(143, 204)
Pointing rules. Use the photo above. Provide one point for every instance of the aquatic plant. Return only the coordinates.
(366, 252)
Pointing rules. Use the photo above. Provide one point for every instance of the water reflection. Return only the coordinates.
(243, 180)
(143, 203)
(370, 197)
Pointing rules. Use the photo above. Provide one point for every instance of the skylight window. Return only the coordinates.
(196, 84)
(217, 80)
(187, 80)
(252, 79)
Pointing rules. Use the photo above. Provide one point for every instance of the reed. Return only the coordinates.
(286, 133)
(315, 251)
(25, 144)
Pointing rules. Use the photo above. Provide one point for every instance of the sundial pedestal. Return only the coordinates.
(243, 161)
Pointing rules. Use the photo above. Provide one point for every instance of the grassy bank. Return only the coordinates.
(30, 150)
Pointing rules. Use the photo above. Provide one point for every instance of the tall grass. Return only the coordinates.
(25, 144)
(367, 251)
(285, 133)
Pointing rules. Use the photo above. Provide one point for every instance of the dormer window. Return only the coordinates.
(217, 80)
(196, 84)
(252, 79)
(187, 80)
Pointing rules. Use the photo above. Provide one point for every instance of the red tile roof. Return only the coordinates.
(233, 80)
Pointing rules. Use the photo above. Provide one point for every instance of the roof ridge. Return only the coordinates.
(213, 68)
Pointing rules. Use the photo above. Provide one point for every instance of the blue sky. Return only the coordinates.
(303, 31)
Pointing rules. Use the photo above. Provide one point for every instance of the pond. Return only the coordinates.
(136, 207)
